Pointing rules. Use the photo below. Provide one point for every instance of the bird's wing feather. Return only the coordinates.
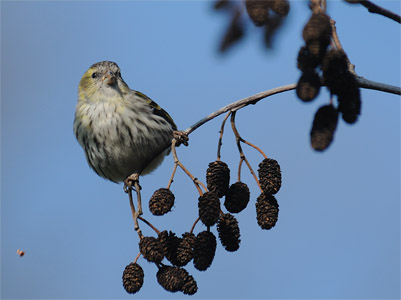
(157, 110)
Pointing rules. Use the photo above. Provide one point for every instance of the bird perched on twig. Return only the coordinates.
(122, 131)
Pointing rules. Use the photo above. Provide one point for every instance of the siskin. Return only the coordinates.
(122, 131)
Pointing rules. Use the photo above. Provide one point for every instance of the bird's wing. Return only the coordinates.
(157, 110)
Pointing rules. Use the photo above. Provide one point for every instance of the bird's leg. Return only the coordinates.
(128, 187)
(181, 137)
(138, 197)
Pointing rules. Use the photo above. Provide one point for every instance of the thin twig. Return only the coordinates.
(221, 135)
(172, 176)
(237, 135)
(193, 225)
(253, 173)
(242, 155)
(137, 257)
(149, 224)
(254, 146)
(133, 212)
(239, 169)
(337, 44)
(177, 161)
(197, 181)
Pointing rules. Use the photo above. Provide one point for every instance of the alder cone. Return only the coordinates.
(281, 7)
(306, 61)
(229, 233)
(323, 127)
(172, 279)
(237, 197)
(185, 248)
(258, 11)
(190, 287)
(133, 278)
(204, 250)
(308, 86)
(349, 104)
(267, 210)
(318, 28)
(170, 242)
(151, 249)
(218, 178)
(335, 72)
(234, 32)
(209, 208)
(269, 176)
(161, 202)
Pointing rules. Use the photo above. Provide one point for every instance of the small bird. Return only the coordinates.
(122, 131)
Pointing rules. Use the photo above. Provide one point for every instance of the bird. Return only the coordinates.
(122, 131)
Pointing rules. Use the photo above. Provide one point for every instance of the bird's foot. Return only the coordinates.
(130, 182)
(181, 137)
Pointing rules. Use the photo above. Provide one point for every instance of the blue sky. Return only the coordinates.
(338, 234)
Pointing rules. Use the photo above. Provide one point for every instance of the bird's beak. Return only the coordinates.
(109, 78)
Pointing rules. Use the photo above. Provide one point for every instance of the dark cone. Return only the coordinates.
(209, 208)
(306, 61)
(266, 211)
(218, 178)
(190, 287)
(273, 24)
(205, 248)
(133, 278)
(172, 279)
(281, 7)
(349, 104)
(170, 242)
(229, 233)
(161, 202)
(269, 176)
(335, 72)
(308, 86)
(234, 32)
(258, 11)
(185, 248)
(335, 61)
(237, 197)
(151, 249)
(323, 128)
(318, 28)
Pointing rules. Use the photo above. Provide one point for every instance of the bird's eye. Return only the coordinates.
(94, 75)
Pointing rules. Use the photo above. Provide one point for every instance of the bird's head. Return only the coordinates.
(102, 81)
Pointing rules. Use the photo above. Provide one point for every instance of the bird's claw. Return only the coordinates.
(129, 182)
(181, 137)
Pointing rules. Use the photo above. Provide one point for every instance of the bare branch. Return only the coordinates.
(362, 82)
(378, 86)
(243, 102)
(375, 9)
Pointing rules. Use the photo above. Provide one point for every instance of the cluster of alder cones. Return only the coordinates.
(322, 64)
(267, 14)
(201, 248)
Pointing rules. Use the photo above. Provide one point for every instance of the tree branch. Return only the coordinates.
(378, 86)
(243, 102)
(375, 9)
(362, 82)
